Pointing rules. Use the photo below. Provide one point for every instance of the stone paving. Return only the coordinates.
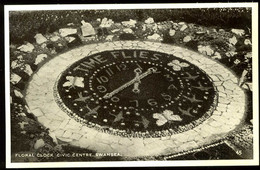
(228, 115)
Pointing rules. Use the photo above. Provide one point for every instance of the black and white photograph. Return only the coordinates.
(137, 84)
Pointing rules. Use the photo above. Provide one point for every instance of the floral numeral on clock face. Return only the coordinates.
(102, 79)
(168, 77)
(101, 89)
(166, 96)
(115, 99)
(152, 102)
(135, 101)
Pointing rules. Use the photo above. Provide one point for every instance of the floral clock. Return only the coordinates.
(136, 93)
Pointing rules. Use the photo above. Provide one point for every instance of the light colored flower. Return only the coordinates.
(247, 42)
(237, 61)
(187, 39)
(74, 81)
(177, 65)
(230, 53)
(166, 116)
(248, 55)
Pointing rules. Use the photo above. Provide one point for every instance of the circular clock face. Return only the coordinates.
(132, 92)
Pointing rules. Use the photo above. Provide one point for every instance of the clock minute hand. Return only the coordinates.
(141, 76)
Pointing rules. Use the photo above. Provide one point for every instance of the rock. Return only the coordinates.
(128, 30)
(175, 26)
(155, 37)
(187, 39)
(98, 20)
(221, 31)
(247, 42)
(87, 29)
(55, 38)
(15, 78)
(239, 32)
(40, 58)
(130, 23)
(70, 24)
(248, 55)
(172, 32)
(200, 32)
(205, 50)
(18, 94)
(216, 55)
(28, 47)
(73, 41)
(115, 30)
(40, 38)
(105, 23)
(109, 37)
(70, 39)
(149, 21)
(181, 23)
(39, 143)
(184, 27)
(16, 64)
(28, 69)
(233, 40)
(67, 31)
(162, 27)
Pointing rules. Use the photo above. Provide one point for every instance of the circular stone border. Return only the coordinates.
(229, 112)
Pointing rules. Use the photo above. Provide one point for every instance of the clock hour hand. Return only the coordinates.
(129, 83)
(136, 89)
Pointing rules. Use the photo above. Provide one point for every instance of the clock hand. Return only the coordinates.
(136, 84)
(136, 87)
(129, 83)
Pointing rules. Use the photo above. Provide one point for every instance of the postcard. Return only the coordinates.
(113, 85)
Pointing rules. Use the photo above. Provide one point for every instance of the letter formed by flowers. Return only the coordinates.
(166, 116)
(177, 65)
(74, 81)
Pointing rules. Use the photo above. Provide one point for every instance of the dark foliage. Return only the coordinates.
(49, 21)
